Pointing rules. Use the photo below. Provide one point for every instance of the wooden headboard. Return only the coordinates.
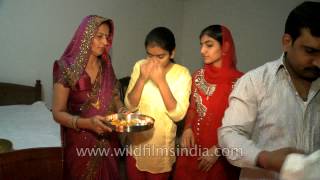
(19, 94)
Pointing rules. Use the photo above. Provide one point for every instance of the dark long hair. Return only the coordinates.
(213, 31)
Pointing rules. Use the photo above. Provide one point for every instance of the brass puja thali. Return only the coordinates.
(133, 122)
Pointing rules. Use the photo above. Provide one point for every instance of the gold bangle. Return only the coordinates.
(74, 122)
(123, 109)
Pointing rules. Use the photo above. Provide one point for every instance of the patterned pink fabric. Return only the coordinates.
(69, 70)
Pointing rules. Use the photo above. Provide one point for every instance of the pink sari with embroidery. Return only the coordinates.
(87, 100)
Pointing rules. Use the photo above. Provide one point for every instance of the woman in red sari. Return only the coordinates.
(211, 86)
(86, 89)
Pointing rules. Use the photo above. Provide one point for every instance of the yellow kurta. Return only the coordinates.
(153, 150)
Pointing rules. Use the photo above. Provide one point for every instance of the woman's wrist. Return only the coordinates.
(83, 123)
(123, 109)
(214, 150)
(187, 126)
(161, 82)
(142, 79)
(74, 122)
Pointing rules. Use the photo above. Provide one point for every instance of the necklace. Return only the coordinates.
(96, 89)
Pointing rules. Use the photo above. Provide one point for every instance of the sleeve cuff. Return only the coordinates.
(129, 106)
(251, 157)
(243, 157)
(176, 114)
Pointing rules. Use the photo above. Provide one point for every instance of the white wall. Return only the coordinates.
(34, 33)
(257, 27)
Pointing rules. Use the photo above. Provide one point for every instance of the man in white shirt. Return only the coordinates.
(274, 110)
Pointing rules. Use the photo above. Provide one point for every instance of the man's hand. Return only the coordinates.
(273, 160)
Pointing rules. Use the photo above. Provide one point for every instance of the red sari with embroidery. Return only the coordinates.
(211, 88)
(87, 100)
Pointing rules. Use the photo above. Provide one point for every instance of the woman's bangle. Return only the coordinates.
(74, 122)
(123, 109)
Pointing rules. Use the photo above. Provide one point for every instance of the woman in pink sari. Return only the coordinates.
(86, 89)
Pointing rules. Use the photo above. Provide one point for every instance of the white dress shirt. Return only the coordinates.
(266, 113)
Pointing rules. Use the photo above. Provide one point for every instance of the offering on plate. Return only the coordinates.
(132, 122)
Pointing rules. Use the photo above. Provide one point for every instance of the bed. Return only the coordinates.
(28, 124)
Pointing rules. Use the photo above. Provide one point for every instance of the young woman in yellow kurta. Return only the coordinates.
(158, 88)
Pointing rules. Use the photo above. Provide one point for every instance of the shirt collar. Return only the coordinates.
(279, 64)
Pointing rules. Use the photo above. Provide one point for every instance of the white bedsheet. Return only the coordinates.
(29, 126)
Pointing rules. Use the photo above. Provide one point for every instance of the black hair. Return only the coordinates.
(162, 37)
(214, 31)
(305, 15)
